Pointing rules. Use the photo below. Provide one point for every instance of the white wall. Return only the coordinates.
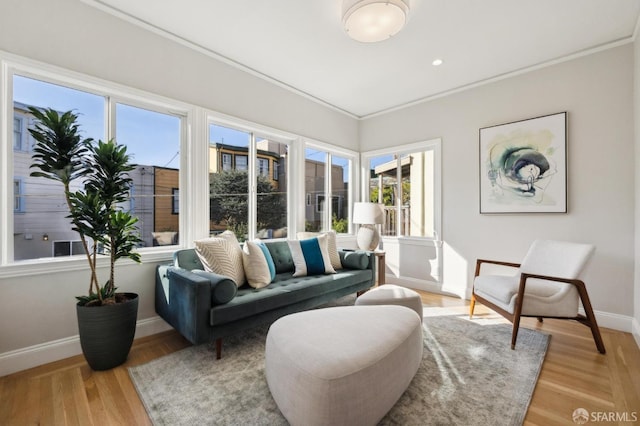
(37, 313)
(596, 92)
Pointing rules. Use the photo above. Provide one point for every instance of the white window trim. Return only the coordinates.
(433, 144)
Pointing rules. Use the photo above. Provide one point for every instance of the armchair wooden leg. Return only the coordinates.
(517, 312)
(472, 305)
(539, 319)
(591, 318)
(218, 348)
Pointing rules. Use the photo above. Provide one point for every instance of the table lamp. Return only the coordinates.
(367, 215)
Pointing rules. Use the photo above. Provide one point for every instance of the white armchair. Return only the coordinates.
(546, 286)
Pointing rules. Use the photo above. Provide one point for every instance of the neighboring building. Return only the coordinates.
(40, 225)
(314, 178)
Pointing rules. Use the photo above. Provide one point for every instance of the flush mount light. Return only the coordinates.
(436, 62)
(369, 21)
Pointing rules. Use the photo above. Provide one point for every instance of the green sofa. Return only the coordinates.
(206, 307)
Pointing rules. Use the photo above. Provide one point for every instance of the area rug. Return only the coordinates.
(469, 375)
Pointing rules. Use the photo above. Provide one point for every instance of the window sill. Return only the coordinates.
(44, 266)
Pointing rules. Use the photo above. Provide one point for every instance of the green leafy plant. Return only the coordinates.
(61, 154)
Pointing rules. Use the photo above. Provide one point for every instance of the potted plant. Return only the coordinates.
(106, 319)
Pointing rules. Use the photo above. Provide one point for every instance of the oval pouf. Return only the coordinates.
(106, 332)
(343, 365)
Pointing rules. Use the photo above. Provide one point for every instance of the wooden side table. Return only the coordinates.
(380, 255)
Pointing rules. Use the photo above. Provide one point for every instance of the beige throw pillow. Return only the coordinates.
(256, 267)
(332, 244)
(222, 255)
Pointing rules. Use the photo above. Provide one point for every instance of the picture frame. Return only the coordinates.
(523, 166)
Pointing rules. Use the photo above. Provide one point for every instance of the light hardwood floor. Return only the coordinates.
(574, 375)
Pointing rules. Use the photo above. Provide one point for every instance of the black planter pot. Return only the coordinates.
(106, 332)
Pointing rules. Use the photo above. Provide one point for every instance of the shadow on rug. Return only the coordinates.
(469, 375)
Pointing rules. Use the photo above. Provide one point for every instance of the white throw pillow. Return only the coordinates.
(222, 254)
(311, 256)
(256, 265)
(332, 245)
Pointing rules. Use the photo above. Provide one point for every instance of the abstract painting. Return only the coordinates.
(523, 166)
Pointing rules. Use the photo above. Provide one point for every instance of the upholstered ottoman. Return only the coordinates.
(389, 294)
(343, 365)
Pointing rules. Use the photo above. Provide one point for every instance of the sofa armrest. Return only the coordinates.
(189, 304)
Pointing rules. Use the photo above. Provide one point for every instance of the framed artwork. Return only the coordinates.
(523, 166)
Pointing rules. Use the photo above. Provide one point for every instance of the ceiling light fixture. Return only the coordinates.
(369, 21)
(436, 62)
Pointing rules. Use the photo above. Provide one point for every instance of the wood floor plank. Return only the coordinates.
(574, 375)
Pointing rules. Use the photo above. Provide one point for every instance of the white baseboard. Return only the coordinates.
(636, 331)
(605, 319)
(614, 321)
(32, 356)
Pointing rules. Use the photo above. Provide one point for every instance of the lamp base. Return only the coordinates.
(368, 237)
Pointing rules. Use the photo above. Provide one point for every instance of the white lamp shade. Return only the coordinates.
(367, 213)
(369, 21)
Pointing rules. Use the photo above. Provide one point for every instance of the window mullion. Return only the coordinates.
(252, 196)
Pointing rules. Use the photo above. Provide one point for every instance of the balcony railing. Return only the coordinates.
(389, 226)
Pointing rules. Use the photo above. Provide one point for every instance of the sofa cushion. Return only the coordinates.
(258, 264)
(311, 256)
(281, 255)
(223, 255)
(284, 290)
(332, 245)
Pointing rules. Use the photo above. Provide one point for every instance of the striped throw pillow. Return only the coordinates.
(258, 264)
(332, 244)
(311, 256)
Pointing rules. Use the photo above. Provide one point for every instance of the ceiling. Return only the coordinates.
(301, 44)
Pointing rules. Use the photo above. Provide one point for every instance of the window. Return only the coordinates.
(271, 195)
(247, 201)
(175, 202)
(152, 138)
(226, 162)
(327, 176)
(18, 200)
(263, 167)
(67, 248)
(46, 211)
(276, 170)
(404, 181)
(17, 133)
(340, 168)
(241, 163)
(315, 165)
(153, 141)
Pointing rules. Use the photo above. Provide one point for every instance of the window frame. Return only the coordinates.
(434, 145)
(13, 65)
(353, 179)
(256, 132)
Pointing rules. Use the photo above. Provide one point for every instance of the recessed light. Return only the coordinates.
(437, 62)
